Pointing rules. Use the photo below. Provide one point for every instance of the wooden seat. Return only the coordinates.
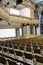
(15, 46)
(0, 49)
(29, 56)
(34, 47)
(28, 49)
(2, 44)
(10, 45)
(6, 45)
(41, 46)
(2, 60)
(5, 50)
(19, 53)
(21, 47)
(11, 51)
(12, 62)
(7, 41)
(37, 51)
(39, 59)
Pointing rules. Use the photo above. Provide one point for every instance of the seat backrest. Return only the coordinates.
(39, 59)
(37, 51)
(15, 46)
(28, 49)
(11, 51)
(19, 53)
(29, 56)
(5, 49)
(21, 47)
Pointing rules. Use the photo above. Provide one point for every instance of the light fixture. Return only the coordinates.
(18, 2)
(7, 3)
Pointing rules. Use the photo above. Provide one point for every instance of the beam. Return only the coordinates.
(4, 14)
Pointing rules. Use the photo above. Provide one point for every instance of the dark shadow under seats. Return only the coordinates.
(10, 45)
(5, 49)
(19, 53)
(0, 48)
(2, 60)
(11, 51)
(12, 62)
(6, 45)
(26, 64)
(21, 47)
(2, 44)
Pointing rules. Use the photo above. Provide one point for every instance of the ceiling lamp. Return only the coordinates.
(19, 2)
(7, 3)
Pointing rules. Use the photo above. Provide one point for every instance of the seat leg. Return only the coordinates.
(7, 63)
(34, 61)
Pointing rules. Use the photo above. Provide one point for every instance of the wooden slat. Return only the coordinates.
(27, 4)
(28, 36)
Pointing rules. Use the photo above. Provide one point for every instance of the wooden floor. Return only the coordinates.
(1, 64)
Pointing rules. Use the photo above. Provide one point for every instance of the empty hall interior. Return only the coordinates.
(21, 32)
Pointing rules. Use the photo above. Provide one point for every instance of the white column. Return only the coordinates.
(38, 30)
(26, 30)
(33, 29)
(17, 32)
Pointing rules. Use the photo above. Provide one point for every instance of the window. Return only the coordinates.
(7, 33)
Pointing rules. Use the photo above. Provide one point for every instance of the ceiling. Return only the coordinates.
(12, 4)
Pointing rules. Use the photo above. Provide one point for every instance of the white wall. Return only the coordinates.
(38, 30)
(22, 12)
(7, 33)
(20, 32)
(25, 12)
(14, 11)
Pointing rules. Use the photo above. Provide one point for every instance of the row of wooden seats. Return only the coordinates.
(24, 55)
(18, 53)
(8, 61)
(21, 46)
(5, 47)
